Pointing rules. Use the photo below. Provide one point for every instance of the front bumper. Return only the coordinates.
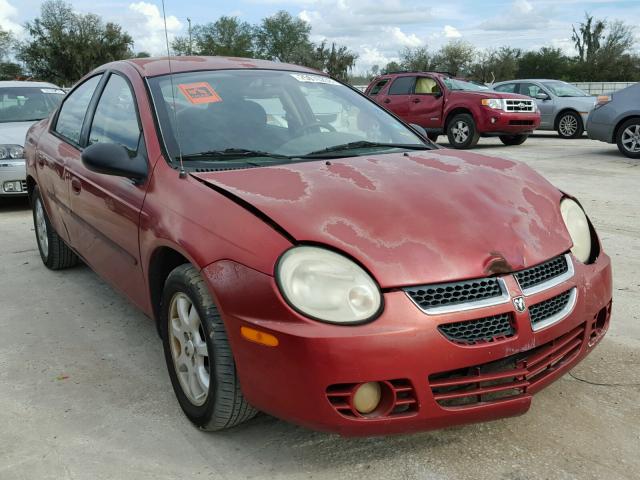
(302, 379)
(497, 122)
(12, 171)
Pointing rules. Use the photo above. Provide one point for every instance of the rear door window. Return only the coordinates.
(375, 90)
(506, 88)
(402, 86)
(74, 108)
(530, 89)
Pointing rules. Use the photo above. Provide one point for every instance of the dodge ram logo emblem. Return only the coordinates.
(518, 302)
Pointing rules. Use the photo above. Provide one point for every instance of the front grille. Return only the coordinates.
(398, 398)
(519, 105)
(24, 185)
(544, 310)
(507, 378)
(471, 332)
(444, 294)
(542, 273)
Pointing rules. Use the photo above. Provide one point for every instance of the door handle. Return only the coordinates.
(76, 185)
(41, 159)
(416, 100)
(386, 100)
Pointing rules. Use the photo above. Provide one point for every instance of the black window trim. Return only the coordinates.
(54, 121)
(413, 87)
(93, 106)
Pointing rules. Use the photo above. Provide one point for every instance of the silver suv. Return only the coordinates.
(562, 106)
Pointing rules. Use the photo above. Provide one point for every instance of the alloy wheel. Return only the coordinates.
(189, 349)
(41, 228)
(631, 138)
(568, 125)
(460, 131)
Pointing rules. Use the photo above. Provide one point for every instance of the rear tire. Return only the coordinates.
(628, 138)
(513, 139)
(55, 254)
(570, 125)
(462, 132)
(198, 354)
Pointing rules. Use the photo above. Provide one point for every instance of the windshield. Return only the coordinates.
(457, 84)
(252, 113)
(563, 89)
(26, 104)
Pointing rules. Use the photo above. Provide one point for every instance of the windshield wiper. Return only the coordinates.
(232, 153)
(363, 144)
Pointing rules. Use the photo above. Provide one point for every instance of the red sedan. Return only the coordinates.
(306, 254)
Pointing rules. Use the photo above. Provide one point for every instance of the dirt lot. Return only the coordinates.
(84, 391)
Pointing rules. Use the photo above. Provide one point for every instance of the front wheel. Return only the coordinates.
(628, 138)
(513, 139)
(462, 132)
(198, 354)
(570, 125)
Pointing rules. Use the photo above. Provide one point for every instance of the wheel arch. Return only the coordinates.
(619, 124)
(455, 111)
(31, 185)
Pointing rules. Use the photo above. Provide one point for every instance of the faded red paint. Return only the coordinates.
(410, 220)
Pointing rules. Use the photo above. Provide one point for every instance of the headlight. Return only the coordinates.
(578, 226)
(492, 103)
(327, 286)
(11, 152)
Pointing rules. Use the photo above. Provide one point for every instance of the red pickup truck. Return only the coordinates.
(464, 111)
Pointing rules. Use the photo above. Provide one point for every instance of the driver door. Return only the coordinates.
(546, 107)
(106, 209)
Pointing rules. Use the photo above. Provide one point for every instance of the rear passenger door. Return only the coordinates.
(106, 209)
(398, 96)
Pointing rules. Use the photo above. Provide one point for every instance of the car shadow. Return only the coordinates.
(14, 204)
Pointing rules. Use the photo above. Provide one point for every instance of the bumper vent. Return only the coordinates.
(471, 332)
(435, 296)
(507, 378)
(543, 273)
(398, 399)
(551, 310)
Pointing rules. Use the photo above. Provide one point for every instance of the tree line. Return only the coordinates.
(62, 45)
(605, 52)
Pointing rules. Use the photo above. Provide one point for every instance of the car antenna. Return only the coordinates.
(182, 173)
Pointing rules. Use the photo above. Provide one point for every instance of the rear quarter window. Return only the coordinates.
(375, 90)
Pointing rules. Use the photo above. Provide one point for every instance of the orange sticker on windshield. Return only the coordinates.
(199, 92)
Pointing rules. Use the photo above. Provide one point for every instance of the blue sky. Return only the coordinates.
(375, 29)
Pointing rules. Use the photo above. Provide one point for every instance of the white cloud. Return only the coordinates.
(402, 38)
(451, 32)
(522, 6)
(520, 16)
(147, 28)
(8, 16)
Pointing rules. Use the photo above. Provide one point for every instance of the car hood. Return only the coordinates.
(417, 218)
(14, 132)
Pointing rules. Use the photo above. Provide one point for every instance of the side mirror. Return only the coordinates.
(113, 159)
(541, 96)
(420, 129)
(437, 94)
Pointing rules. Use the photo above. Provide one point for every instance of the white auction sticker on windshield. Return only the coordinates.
(52, 90)
(305, 77)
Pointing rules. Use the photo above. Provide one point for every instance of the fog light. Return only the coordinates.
(14, 186)
(367, 397)
(494, 119)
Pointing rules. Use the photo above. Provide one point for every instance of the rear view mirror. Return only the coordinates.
(541, 96)
(113, 159)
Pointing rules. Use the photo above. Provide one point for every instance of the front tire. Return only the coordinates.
(628, 138)
(55, 254)
(570, 125)
(513, 139)
(462, 132)
(198, 354)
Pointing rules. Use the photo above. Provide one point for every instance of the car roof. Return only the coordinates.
(25, 83)
(530, 80)
(154, 66)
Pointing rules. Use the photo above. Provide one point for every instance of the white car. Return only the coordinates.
(21, 105)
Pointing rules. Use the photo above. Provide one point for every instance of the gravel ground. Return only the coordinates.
(84, 391)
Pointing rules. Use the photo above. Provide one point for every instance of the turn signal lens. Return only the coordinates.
(367, 397)
(257, 336)
(603, 100)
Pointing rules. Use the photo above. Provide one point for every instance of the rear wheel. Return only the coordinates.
(55, 254)
(513, 139)
(462, 132)
(628, 138)
(570, 125)
(198, 354)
